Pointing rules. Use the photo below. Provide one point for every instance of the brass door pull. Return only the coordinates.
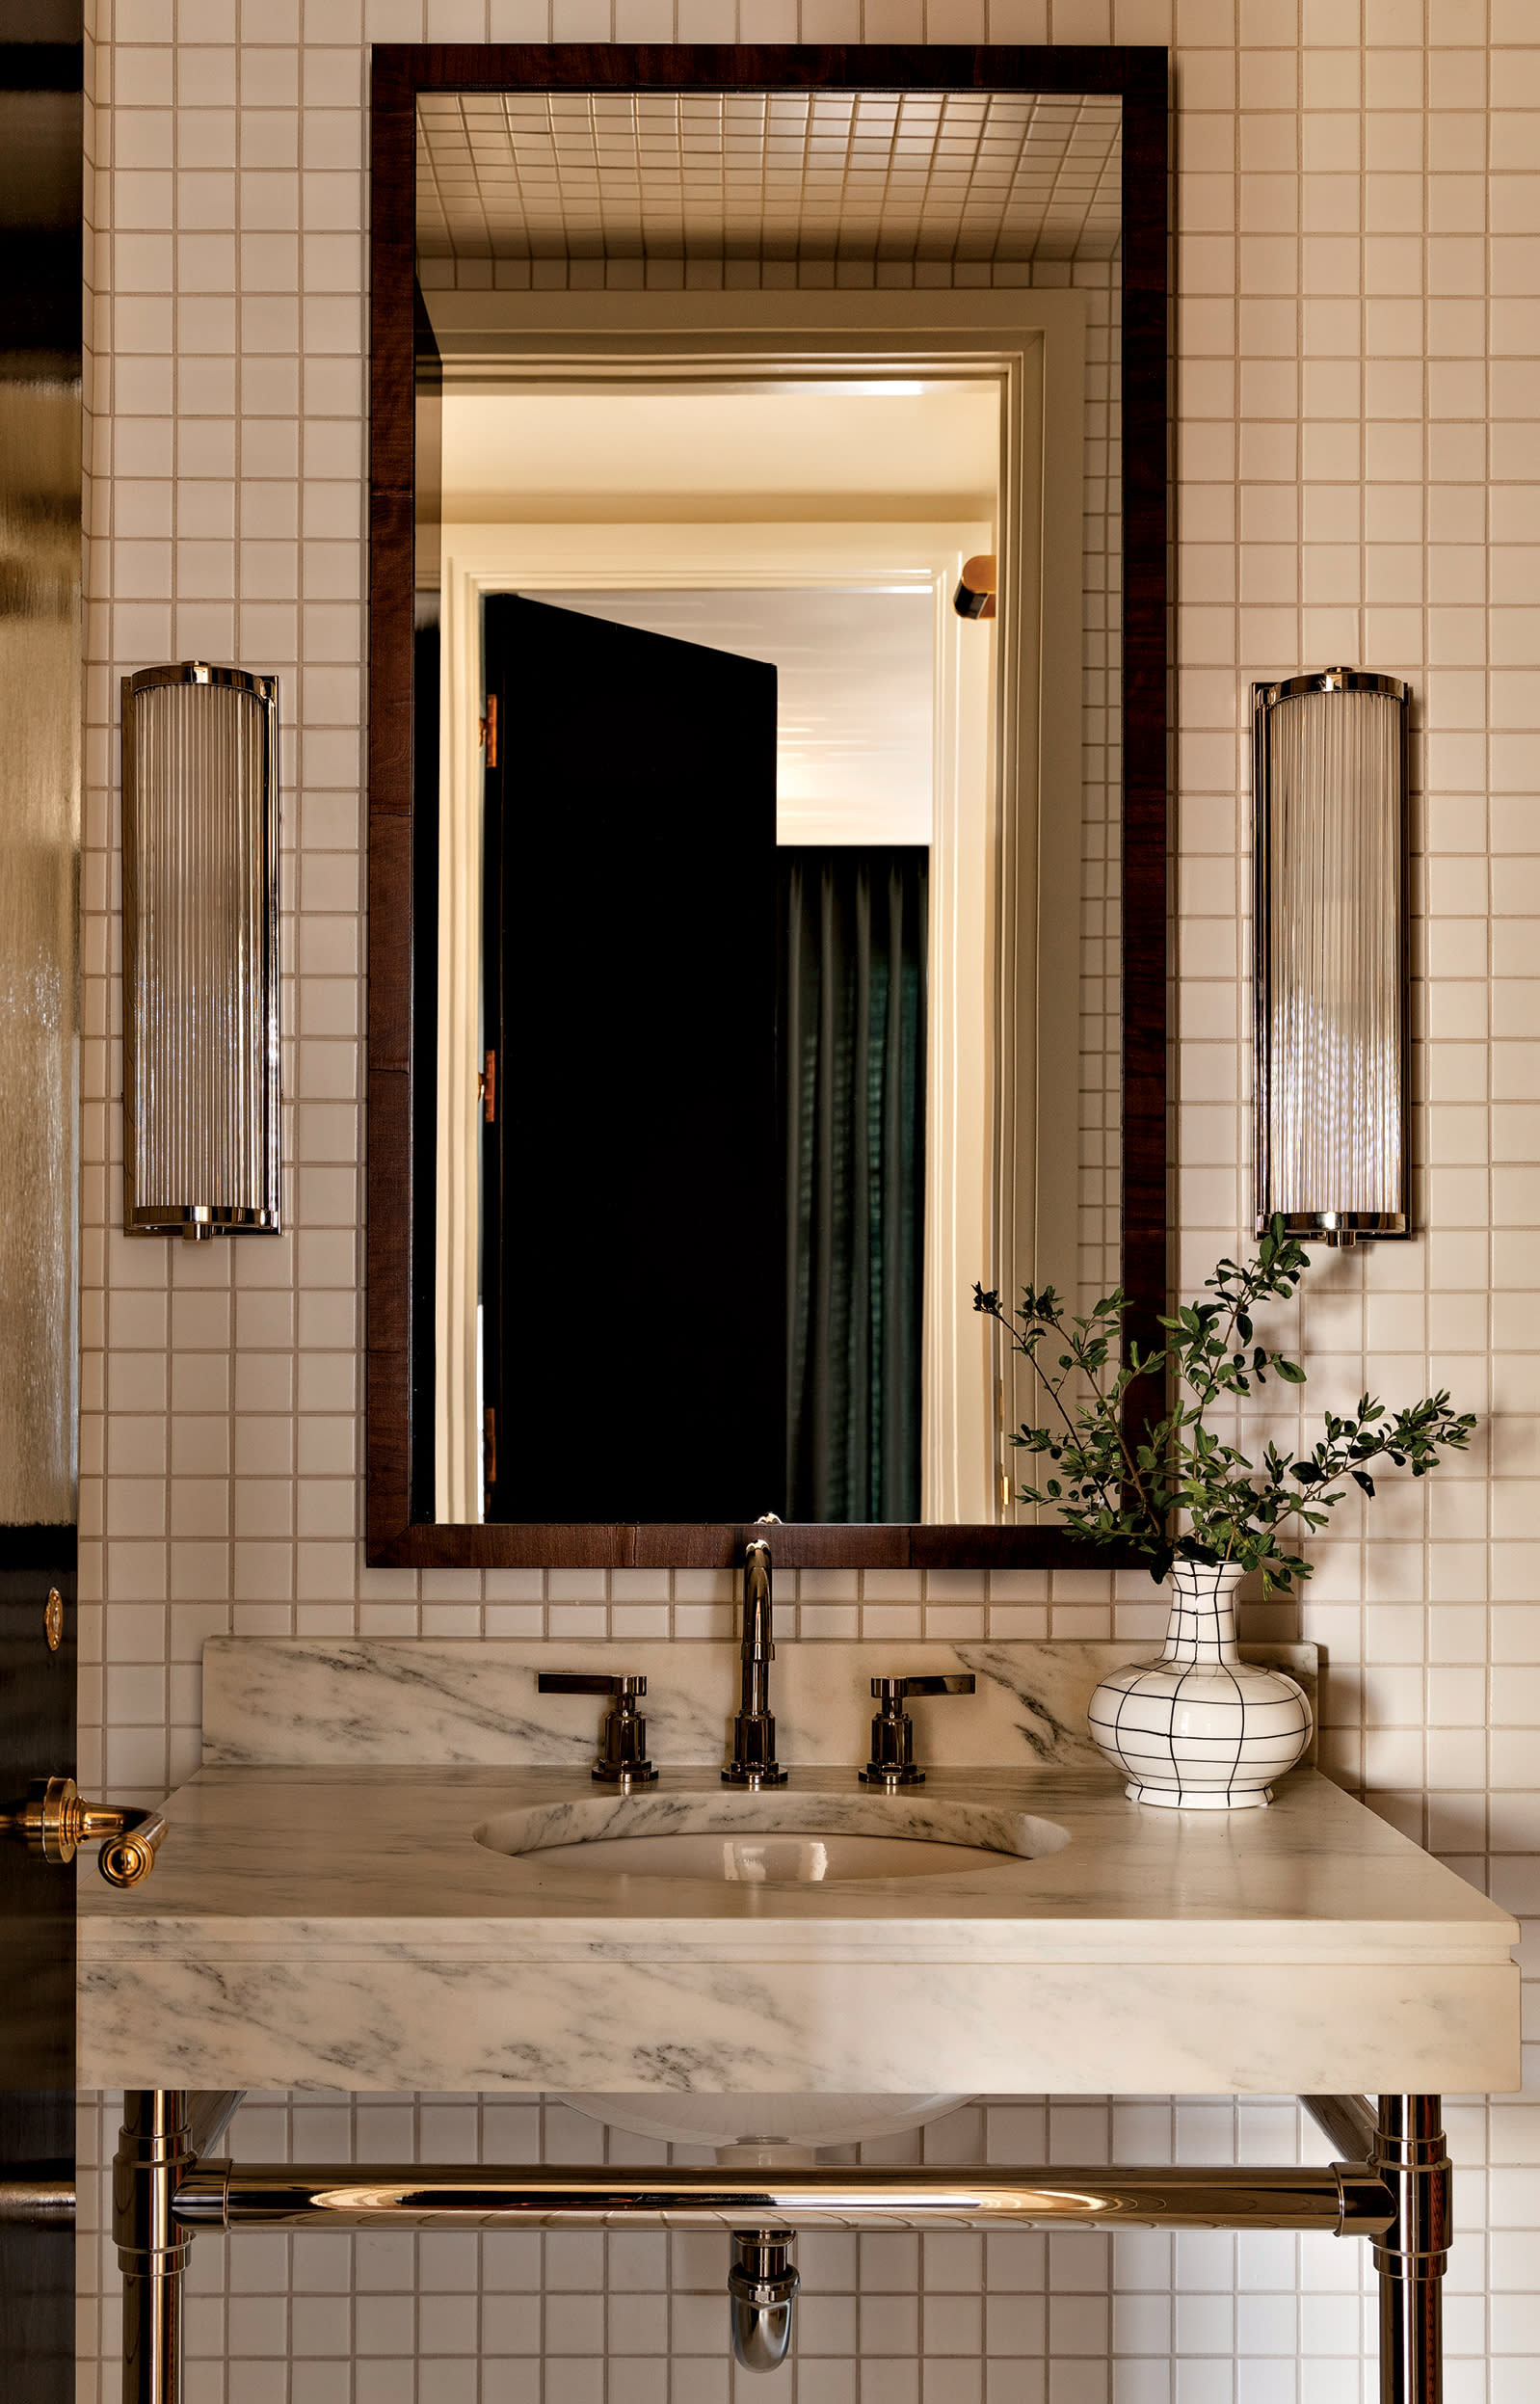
(56, 1821)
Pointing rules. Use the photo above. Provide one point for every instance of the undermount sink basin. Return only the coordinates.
(772, 1838)
(770, 1861)
(765, 2128)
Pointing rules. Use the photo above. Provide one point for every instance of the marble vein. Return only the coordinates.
(270, 1699)
(325, 1913)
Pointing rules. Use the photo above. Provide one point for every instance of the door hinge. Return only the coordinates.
(488, 731)
(489, 1444)
(488, 1084)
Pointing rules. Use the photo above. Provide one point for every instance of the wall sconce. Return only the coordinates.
(200, 961)
(1331, 927)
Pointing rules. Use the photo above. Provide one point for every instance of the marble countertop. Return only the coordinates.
(341, 1927)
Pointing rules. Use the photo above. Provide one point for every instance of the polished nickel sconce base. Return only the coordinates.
(1391, 2188)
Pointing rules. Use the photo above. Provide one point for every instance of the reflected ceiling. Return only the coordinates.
(767, 177)
(855, 710)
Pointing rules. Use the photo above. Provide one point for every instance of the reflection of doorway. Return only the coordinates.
(570, 518)
(850, 1077)
(694, 580)
(856, 671)
(630, 1244)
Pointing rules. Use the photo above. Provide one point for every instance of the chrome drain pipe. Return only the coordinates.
(762, 2289)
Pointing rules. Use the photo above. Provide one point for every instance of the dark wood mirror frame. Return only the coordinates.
(400, 73)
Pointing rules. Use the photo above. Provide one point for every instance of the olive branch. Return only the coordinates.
(1182, 1475)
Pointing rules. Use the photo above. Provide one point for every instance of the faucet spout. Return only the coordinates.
(758, 1606)
(754, 1760)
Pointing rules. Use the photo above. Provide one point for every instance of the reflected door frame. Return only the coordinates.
(1001, 1203)
(960, 1143)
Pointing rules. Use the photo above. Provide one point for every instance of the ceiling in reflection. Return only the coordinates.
(896, 449)
(790, 177)
(854, 728)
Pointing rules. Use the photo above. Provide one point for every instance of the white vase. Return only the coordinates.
(1200, 1729)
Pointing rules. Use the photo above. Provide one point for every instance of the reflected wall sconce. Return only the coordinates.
(976, 587)
(1333, 1024)
(200, 957)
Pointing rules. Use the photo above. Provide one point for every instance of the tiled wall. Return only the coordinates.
(1358, 380)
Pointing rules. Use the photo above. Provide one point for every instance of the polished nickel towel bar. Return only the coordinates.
(1342, 2200)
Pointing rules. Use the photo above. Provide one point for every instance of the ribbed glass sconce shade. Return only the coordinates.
(1332, 1025)
(200, 970)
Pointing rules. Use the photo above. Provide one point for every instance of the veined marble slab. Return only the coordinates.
(363, 1700)
(344, 1928)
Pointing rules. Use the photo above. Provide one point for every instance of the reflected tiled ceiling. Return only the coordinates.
(768, 176)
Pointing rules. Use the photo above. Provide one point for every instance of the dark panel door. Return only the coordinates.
(632, 1286)
(40, 138)
(37, 1965)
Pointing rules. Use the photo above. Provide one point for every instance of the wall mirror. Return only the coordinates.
(760, 950)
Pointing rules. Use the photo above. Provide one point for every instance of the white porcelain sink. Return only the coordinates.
(780, 1838)
(766, 2129)
(776, 1838)
(772, 1861)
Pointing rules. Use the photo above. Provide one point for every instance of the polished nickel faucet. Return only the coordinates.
(754, 1760)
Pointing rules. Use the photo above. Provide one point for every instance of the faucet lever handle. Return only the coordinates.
(893, 1761)
(898, 1690)
(622, 1738)
(588, 1682)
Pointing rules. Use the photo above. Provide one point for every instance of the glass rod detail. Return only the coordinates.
(1332, 1025)
(200, 964)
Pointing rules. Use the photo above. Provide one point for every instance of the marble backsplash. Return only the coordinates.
(340, 1700)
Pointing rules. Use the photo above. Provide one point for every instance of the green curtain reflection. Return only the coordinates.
(853, 1113)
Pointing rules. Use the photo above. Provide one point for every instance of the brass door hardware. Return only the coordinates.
(893, 1731)
(56, 1821)
(622, 1738)
(53, 1618)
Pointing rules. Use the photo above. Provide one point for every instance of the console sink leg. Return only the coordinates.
(1411, 2158)
(153, 2154)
